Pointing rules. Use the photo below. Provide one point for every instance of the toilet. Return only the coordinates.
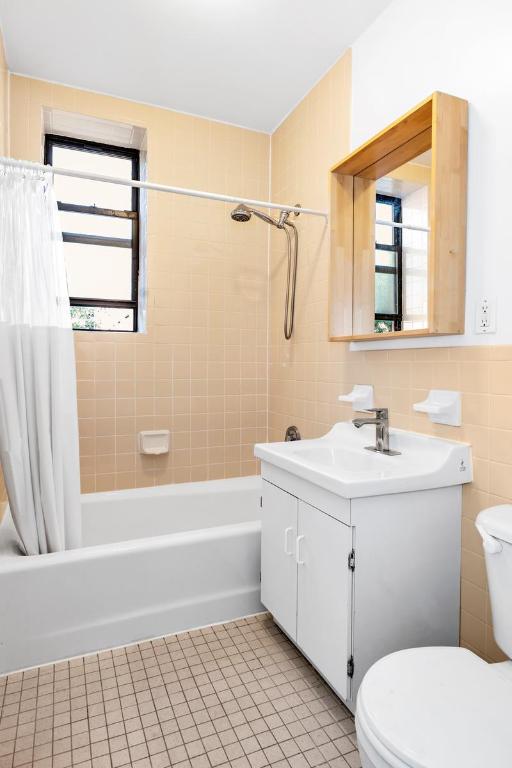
(446, 707)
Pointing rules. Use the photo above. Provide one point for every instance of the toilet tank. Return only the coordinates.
(495, 527)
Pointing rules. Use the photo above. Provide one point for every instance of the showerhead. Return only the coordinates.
(241, 213)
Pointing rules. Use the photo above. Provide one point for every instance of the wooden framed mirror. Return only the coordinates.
(398, 228)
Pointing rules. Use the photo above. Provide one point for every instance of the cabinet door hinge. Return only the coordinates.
(350, 667)
(352, 560)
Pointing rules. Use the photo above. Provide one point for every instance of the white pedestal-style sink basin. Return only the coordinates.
(360, 551)
(339, 462)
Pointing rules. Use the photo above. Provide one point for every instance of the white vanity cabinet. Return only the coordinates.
(323, 593)
(351, 580)
(305, 581)
(280, 511)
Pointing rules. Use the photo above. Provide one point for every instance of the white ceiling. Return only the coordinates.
(247, 62)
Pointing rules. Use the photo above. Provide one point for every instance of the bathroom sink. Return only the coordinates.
(339, 462)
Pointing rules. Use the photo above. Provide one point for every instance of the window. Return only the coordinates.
(100, 229)
(388, 265)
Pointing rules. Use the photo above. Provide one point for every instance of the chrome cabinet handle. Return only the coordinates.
(297, 550)
(287, 531)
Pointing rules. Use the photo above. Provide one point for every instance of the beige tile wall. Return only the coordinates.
(201, 369)
(308, 373)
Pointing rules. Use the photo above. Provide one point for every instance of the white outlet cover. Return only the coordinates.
(485, 315)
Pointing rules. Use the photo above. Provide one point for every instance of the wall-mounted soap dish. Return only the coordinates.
(442, 406)
(361, 397)
(154, 441)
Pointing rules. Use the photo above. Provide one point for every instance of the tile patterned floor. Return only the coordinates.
(237, 694)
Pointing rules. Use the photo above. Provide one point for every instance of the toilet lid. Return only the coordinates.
(439, 708)
(497, 521)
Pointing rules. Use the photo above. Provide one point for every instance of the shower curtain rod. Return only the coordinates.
(158, 187)
(399, 225)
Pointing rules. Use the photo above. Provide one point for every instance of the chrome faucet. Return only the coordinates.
(381, 423)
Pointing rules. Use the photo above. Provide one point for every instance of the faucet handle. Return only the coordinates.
(380, 413)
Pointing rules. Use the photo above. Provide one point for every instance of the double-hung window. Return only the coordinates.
(100, 229)
(388, 265)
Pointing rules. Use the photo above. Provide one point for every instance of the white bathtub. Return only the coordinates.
(154, 561)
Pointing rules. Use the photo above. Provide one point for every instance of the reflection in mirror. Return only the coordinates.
(401, 246)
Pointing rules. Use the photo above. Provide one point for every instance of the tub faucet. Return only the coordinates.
(381, 423)
(292, 434)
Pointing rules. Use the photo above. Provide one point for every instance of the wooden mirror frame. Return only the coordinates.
(439, 123)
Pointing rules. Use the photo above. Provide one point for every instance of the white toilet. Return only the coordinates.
(446, 707)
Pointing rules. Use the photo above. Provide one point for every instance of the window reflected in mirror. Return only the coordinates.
(401, 247)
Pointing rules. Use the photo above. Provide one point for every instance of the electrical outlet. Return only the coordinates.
(485, 316)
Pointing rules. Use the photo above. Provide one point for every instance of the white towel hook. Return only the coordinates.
(442, 406)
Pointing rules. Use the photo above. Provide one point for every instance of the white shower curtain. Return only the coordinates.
(38, 412)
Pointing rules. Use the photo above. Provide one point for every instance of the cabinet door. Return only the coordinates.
(324, 594)
(278, 564)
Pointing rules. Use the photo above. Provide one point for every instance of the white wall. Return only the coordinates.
(462, 47)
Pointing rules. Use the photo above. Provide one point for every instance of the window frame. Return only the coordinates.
(128, 153)
(396, 247)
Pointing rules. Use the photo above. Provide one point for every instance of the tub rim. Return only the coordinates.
(20, 562)
(11, 559)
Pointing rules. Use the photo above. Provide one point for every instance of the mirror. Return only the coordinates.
(398, 228)
(391, 243)
(401, 246)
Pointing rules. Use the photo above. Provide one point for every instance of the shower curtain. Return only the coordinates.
(38, 411)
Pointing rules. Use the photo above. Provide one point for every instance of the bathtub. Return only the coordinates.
(154, 561)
